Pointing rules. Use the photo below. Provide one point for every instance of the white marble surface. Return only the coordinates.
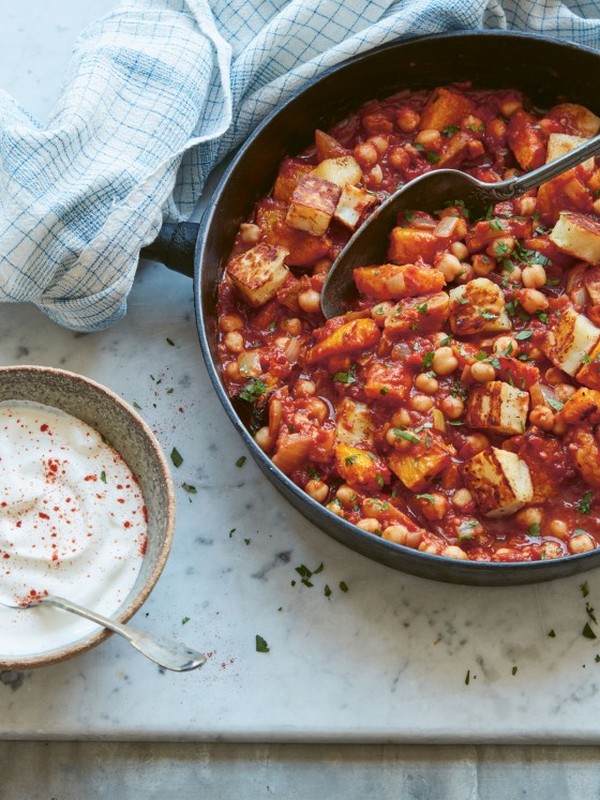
(385, 662)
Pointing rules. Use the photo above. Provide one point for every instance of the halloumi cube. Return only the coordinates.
(352, 204)
(340, 171)
(354, 424)
(478, 307)
(499, 481)
(499, 407)
(571, 336)
(312, 205)
(561, 143)
(578, 235)
(259, 273)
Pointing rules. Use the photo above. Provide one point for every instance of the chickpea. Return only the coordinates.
(460, 250)
(449, 266)
(502, 246)
(249, 233)
(482, 265)
(380, 311)
(421, 403)
(482, 372)
(395, 533)
(346, 495)
(370, 524)
(454, 551)
(551, 550)
(366, 154)
(282, 342)
(496, 128)
(398, 158)
(472, 123)
(475, 148)
(452, 407)
(430, 138)
(375, 175)
(232, 370)
(322, 266)
(293, 326)
(304, 388)
(263, 439)
(508, 108)
(444, 361)
(401, 418)
(466, 275)
(506, 345)
(533, 300)
(543, 417)
(310, 301)
(234, 342)
(318, 409)
(563, 391)
(475, 443)
(511, 274)
(434, 506)
(426, 383)
(432, 548)
(396, 441)
(318, 490)
(560, 427)
(462, 500)
(335, 508)
(534, 276)
(526, 206)
(528, 517)
(580, 543)
(407, 120)
(558, 528)
(554, 376)
(380, 143)
(231, 322)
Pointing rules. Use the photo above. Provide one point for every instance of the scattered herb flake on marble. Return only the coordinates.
(187, 487)
(590, 613)
(552, 633)
(176, 457)
(185, 620)
(343, 586)
(247, 541)
(103, 476)
(588, 632)
(231, 532)
(327, 591)
(468, 677)
(136, 405)
(171, 342)
(585, 589)
(514, 670)
(171, 390)
(241, 461)
(261, 644)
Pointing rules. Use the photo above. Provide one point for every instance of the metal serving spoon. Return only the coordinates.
(164, 652)
(430, 192)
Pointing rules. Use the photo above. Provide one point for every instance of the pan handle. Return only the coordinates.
(174, 247)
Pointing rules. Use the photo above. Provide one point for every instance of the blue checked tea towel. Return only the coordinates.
(156, 94)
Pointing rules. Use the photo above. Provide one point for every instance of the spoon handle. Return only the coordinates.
(514, 187)
(168, 654)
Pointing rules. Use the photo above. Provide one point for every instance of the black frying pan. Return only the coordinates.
(546, 70)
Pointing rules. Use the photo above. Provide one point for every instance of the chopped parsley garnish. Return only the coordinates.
(432, 157)
(585, 504)
(542, 316)
(497, 225)
(252, 390)
(427, 360)
(534, 529)
(176, 457)
(345, 376)
(522, 335)
(261, 644)
(349, 460)
(465, 529)
(410, 437)
(422, 308)
(450, 130)
(429, 497)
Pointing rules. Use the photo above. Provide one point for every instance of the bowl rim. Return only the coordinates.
(108, 396)
(425, 565)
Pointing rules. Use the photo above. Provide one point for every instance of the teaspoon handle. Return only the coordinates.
(166, 653)
(531, 180)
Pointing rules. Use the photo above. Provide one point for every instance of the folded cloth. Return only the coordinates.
(156, 94)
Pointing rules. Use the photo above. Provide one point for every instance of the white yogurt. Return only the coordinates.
(72, 523)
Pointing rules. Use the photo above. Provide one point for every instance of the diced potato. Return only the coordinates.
(419, 465)
(258, 273)
(585, 454)
(445, 107)
(568, 192)
(340, 171)
(571, 336)
(579, 118)
(589, 374)
(582, 406)
(389, 383)
(561, 143)
(395, 281)
(348, 339)
(352, 204)
(304, 250)
(408, 245)
(455, 150)
(360, 467)
(417, 315)
(578, 235)
(291, 172)
(312, 205)
(499, 481)
(328, 147)
(499, 407)
(526, 140)
(354, 424)
(478, 307)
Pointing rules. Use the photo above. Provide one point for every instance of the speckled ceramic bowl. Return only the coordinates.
(127, 432)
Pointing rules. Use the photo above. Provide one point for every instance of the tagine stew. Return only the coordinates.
(455, 408)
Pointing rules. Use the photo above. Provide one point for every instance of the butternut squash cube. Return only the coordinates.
(582, 406)
(426, 458)
(394, 281)
(445, 107)
(360, 467)
(499, 481)
(347, 339)
(408, 245)
(259, 273)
